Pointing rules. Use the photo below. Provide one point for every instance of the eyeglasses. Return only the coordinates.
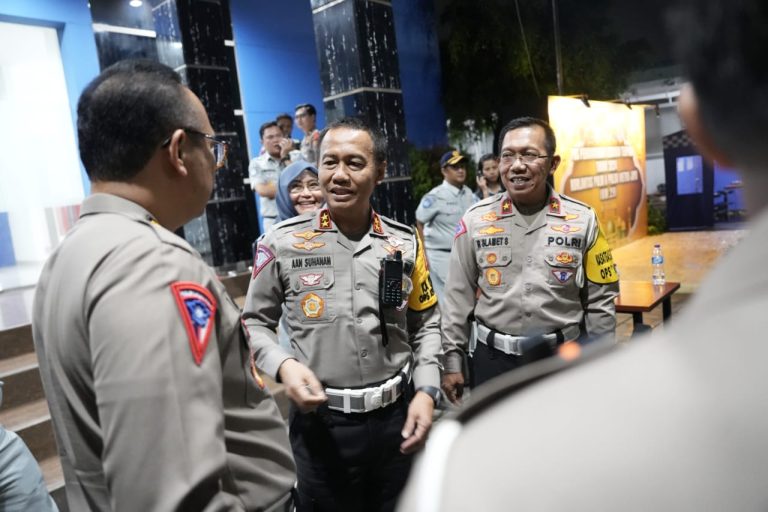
(218, 148)
(298, 187)
(527, 157)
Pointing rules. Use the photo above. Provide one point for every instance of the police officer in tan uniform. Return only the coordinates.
(145, 364)
(531, 266)
(674, 421)
(365, 331)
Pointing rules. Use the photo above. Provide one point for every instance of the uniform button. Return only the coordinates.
(528, 259)
(363, 353)
(528, 287)
(528, 315)
(357, 286)
(359, 320)
(504, 258)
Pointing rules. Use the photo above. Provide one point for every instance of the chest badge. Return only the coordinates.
(394, 241)
(564, 258)
(493, 277)
(572, 216)
(491, 230)
(491, 258)
(307, 235)
(311, 279)
(565, 228)
(563, 276)
(490, 217)
(308, 246)
(312, 306)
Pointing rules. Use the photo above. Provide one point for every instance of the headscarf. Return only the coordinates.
(285, 208)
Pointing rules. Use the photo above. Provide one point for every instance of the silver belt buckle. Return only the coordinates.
(372, 400)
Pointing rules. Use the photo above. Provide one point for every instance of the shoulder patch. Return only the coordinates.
(197, 308)
(262, 257)
(600, 266)
(461, 228)
(427, 201)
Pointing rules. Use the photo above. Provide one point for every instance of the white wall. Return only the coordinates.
(39, 166)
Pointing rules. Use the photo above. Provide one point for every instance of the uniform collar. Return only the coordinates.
(109, 203)
(554, 205)
(453, 188)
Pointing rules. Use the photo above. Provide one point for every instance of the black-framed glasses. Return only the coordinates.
(219, 148)
(527, 157)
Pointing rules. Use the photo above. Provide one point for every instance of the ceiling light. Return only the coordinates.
(135, 3)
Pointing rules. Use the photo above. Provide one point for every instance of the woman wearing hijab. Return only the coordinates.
(298, 190)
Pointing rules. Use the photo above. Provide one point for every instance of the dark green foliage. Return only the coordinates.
(657, 220)
(485, 68)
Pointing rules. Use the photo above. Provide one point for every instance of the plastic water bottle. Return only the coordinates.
(657, 260)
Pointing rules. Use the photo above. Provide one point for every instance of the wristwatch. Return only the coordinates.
(433, 392)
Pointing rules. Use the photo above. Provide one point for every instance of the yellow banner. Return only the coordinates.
(603, 162)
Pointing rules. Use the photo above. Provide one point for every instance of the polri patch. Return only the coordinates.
(263, 256)
(198, 312)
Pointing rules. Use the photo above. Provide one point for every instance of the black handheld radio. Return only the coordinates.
(391, 280)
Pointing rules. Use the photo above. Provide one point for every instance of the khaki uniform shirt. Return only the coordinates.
(527, 280)
(330, 287)
(147, 373)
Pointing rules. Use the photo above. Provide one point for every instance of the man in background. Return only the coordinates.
(439, 213)
(306, 117)
(264, 171)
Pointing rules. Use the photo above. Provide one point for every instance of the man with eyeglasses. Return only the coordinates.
(531, 266)
(145, 364)
(306, 118)
(264, 171)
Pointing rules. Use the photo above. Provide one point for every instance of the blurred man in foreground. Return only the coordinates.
(674, 422)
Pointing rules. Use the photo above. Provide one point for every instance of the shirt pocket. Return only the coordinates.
(563, 267)
(495, 266)
(312, 295)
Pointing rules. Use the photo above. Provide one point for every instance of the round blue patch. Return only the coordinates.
(428, 201)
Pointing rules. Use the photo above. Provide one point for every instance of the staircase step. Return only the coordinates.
(32, 422)
(22, 384)
(17, 364)
(16, 341)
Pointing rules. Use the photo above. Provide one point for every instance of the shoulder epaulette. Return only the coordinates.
(485, 202)
(293, 221)
(395, 224)
(576, 201)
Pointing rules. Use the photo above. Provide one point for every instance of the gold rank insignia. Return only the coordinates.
(506, 206)
(307, 235)
(564, 258)
(565, 228)
(554, 205)
(493, 277)
(308, 246)
(571, 216)
(377, 224)
(312, 306)
(491, 258)
(325, 220)
(491, 230)
(489, 217)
